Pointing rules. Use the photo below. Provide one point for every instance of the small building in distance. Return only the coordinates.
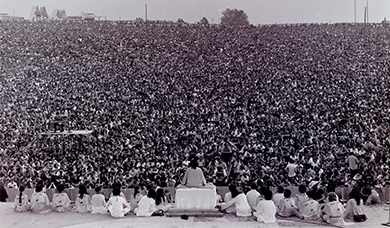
(7, 17)
(58, 14)
(88, 16)
(38, 13)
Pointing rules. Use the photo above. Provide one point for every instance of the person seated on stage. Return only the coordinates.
(135, 198)
(3, 193)
(265, 210)
(61, 201)
(287, 205)
(239, 201)
(83, 200)
(39, 201)
(310, 209)
(333, 212)
(162, 201)
(253, 196)
(354, 208)
(194, 176)
(118, 185)
(147, 205)
(117, 205)
(21, 201)
(98, 203)
(372, 196)
(301, 197)
(278, 196)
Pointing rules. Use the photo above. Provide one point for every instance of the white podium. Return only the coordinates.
(196, 198)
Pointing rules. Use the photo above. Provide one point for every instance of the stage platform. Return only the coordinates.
(376, 215)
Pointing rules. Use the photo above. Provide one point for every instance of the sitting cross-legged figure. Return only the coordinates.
(333, 212)
(98, 203)
(21, 201)
(117, 205)
(265, 210)
(287, 205)
(61, 201)
(40, 201)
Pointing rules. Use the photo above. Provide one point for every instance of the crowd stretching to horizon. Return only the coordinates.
(272, 104)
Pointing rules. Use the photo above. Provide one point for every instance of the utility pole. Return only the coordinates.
(355, 11)
(367, 9)
(146, 12)
(365, 15)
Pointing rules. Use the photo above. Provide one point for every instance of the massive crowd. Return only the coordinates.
(247, 102)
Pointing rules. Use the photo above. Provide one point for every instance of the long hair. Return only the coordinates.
(233, 190)
(160, 196)
(82, 191)
(193, 164)
(136, 191)
(355, 194)
(152, 193)
(21, 189)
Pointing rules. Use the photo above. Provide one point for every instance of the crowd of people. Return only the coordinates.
(275, 104)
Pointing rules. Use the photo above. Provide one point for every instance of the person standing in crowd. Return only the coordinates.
(253, 196)
(239, 202)
(83, 200)
(61, 201)
(333, 212)
(265, 210)
(117, 205)
(353, 164)
(98, 202)
(354, 208)
(3, 193)
(40, 201)
(21, 201)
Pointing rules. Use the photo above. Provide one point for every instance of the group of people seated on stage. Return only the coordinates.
(143, 202)
(265, 206)
(305, 204)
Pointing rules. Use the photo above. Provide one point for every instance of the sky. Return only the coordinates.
(258, 11)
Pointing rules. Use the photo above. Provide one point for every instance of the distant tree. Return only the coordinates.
(180, 21)
(233, 17)
(204, 21)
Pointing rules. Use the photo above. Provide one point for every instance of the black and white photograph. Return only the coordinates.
(194, 113)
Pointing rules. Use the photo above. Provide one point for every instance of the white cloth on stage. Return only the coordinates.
(196, 198)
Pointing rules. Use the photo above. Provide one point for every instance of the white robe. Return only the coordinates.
(61, 202)
(118, 206)
(265, 211)
(253, 197)
(98, 204)
(84, 204)
(40, 203)
(23, 206)
(241, 205)
(333, 213)
(146, 207)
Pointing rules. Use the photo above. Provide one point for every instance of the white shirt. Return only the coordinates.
(116, 206)
(61, 202)
(98, 204)
(241, 205)
(265, 211)
(146, 207)
(252, 196)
